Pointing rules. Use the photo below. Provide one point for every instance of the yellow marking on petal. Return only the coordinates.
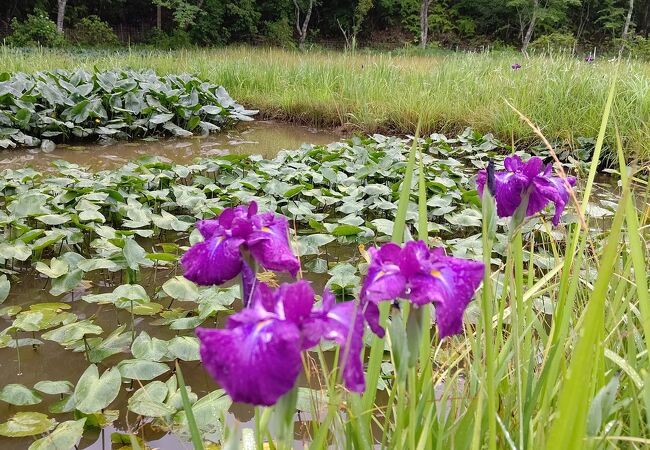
(266, 229)
(262, 324)
(380, 274)
(436, 274)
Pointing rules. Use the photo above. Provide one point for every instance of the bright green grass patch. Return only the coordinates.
(380, 92)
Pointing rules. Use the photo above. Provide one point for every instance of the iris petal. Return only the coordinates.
(256, 362)
(454, 288)
(269, 244)
(297, 300)
(213, 261)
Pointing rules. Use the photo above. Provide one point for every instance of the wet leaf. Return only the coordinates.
(180, 288)
(65, 436)
(5, 287)
(54, 387)
(138, 369)
(19, 395)
(149, 401)
(185, 348)
(26, 424)
(93, 392)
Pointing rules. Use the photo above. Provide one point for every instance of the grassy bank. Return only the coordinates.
(379, 92)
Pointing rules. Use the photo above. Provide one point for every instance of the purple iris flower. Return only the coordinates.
(257, 357)
(422, 276)
(516, 66)
(527, 179)
(589, 58)
(218, 258)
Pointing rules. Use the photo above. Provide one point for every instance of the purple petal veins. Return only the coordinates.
(427, 276)
(218, 258)
(529, 180)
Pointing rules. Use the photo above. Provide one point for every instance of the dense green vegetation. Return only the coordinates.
(608, 25)
(389, 92)
(60, 106)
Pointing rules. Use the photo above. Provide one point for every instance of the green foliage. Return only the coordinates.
(279, 33)
(36, 30)
(120, 104)
(185, 12)
(554, 42)
(92, 31)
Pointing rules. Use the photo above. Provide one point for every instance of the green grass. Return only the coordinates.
(382, 92)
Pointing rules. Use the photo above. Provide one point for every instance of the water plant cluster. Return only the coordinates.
(37, 109)
(108, 247)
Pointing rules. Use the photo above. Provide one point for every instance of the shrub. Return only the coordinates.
(37, 29)
(94, 31)
(637, 47)
(554, 42)
(279, 33)
(174, 40)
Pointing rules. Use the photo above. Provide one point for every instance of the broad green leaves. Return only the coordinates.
(65, 436)
(24, 424)
(139, 369)
(93, 392)
(119, 104)
(5, 286)
(19, 395)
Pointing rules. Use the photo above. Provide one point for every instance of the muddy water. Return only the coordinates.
(50, 361)
(264, 138)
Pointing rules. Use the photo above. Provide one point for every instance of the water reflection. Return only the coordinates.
(264, 138)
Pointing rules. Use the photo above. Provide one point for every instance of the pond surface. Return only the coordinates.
(264, 138)
(50, 361)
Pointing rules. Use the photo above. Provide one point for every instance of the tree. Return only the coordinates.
(532, 13)
(626, 27)
(60, 14)
(360, 13)
(303, 27)
(185, 12)
(424, 22)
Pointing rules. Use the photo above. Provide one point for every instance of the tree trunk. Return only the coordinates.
(60, 14)
(159, 17)
(531, 27)
(626, 28)
(424, 23)
(302, 28)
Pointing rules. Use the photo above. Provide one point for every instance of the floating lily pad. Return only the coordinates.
(26, 424)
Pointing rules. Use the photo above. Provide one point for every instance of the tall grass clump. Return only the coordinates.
(383, 92)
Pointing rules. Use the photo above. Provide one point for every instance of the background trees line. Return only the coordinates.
(449, 23)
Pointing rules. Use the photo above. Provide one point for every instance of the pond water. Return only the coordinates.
(49, 360)
(264, 138)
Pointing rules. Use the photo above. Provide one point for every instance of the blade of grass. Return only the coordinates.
(197, 442)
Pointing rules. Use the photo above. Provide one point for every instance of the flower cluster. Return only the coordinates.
(530, 183)
(421, 275)
(257, 357)
(516, 66)
(219, 257)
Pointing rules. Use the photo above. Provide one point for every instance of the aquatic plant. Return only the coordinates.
(557, 330)
(118, 104)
